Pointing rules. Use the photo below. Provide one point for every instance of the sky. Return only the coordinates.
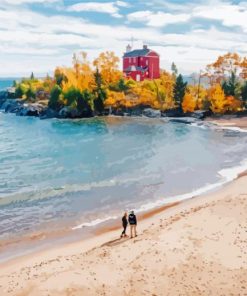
(38, 35)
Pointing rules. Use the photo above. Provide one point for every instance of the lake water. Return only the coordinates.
(62, 173)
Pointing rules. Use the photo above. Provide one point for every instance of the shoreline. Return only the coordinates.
(107, 239)
(65, 236)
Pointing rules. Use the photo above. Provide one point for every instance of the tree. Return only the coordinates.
(189, 103)
(244, 93)
(179, 90)
(223, 67)
(174, 69)
(231, 86)
(32, 76)
(55, 102)
(84, 103)
(107, 64)
(217, 99)
(30, 92)
(72, 95)
(99, 93)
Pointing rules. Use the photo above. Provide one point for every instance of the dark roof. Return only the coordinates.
(129, 69)
(137, 53)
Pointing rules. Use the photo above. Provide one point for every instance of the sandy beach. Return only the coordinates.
(229, 121)
(197, 247)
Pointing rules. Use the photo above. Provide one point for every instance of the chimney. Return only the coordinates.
(145, 46)
(128, 48)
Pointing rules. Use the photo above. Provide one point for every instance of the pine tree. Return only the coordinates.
(179, 90)
(231, 86)
(244, 93)
(174, 69)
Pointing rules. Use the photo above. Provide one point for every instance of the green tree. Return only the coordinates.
(72, 95)
(55, 98)
(32, 76)
(174, 69)
(244, 93)
(231, 86)
(179, 90)
(99, 93)
(31, 94)
(84, 103)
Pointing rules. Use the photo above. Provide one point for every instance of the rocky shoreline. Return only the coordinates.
(41, 110)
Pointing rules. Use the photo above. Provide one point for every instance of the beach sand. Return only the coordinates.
(198, 247)
(229, 121)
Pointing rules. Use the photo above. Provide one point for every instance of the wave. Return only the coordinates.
(37, 194)
(227, 175)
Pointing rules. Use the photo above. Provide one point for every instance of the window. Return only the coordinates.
(134, 60)
(129, 60)
(147, 62)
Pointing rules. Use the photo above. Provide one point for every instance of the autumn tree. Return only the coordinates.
(107, 64)
(189, 103)
(223, 67)
(217, 99)
(179, 90)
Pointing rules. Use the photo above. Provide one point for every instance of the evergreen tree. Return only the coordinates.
(244, 93)
(99, 92)
(84, 103)
(179, 90)
(174, 69)
(54, 101)
(231, 86)
(32, 76)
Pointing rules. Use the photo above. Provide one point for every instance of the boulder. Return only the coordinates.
(186, 120)
(200, 114)
(30, 110)
(11, 105)
(68, 112)
(48, 113)
(152, 113)
(172, 113)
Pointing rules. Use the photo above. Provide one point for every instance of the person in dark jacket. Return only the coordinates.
(133, 224)
(125, 224)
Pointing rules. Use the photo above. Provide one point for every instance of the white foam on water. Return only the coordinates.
(228, 175)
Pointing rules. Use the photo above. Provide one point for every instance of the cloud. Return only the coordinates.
(157, 19)
(39, 42)
(20, 2)
(106, 7)
(230, 15)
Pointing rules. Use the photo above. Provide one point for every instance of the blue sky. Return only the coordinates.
(38, 35)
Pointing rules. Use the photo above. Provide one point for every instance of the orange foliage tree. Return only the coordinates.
(189, 103)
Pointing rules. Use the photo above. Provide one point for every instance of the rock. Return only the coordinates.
(68, 112)
(200, 114)
(172, 113)
(149, 112)
(48, 113)
(186, 120)
(11, 105)
(30, 110)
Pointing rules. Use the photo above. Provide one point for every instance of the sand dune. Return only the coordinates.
(198, 247)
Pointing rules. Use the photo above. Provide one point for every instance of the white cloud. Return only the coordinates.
(106, 7)
(36, 42)
(20, 2)
(122, 4)
(157, 19)
(229, 14)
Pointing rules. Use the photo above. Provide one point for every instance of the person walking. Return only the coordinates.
(133, 223)
(125, 224)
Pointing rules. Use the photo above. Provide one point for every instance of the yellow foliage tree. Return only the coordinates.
(81, 76)
(107, 64)
(217, 99)
(189, 103)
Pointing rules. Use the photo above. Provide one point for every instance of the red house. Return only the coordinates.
(140, 64)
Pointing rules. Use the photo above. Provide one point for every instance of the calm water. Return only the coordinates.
(62, 173)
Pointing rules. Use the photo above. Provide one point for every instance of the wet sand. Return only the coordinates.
(229, 121)
(197, 247)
